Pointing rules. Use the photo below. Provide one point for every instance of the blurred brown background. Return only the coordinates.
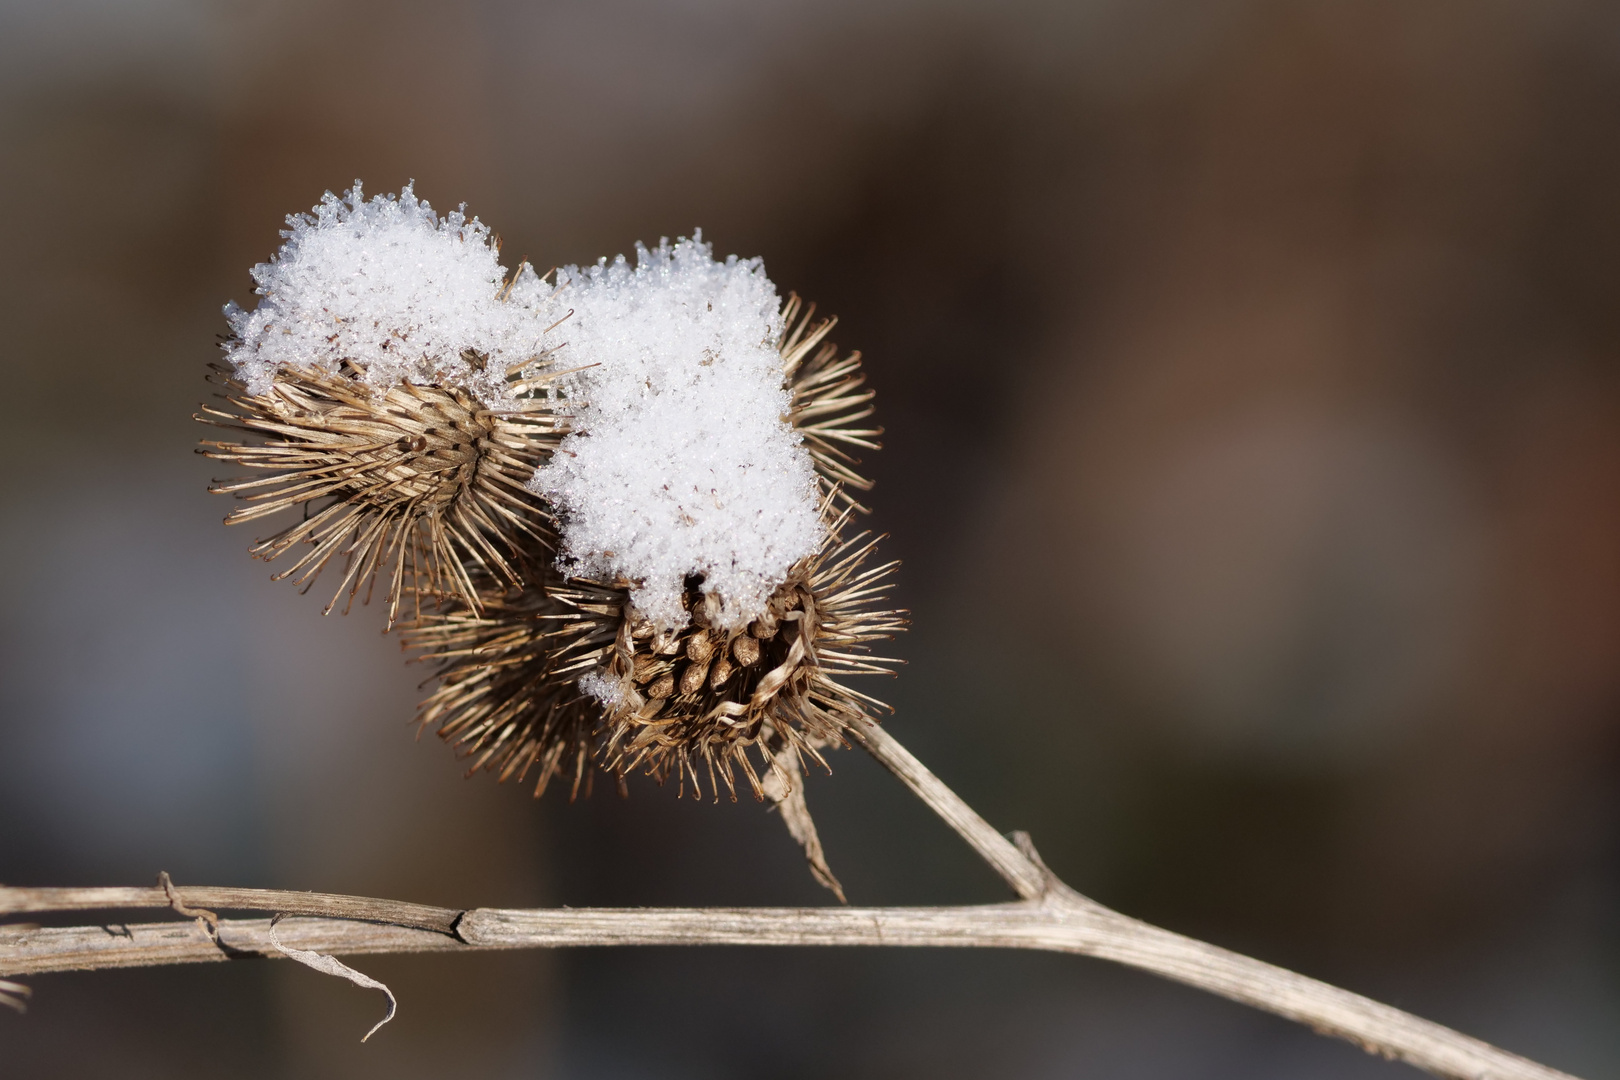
(1250, 374)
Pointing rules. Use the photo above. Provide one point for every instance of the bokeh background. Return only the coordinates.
(1250, 376)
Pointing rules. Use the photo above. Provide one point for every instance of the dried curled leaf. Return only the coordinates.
(784, 786)
(331, 965)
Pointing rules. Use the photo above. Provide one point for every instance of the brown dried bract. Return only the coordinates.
(830, 401)
(498, 699)
(419, 483)
(695, 701)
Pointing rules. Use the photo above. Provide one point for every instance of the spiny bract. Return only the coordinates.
(572, 673)
(420, 484)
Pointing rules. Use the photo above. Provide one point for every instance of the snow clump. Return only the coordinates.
(398, 291)
(606, 691)
(682, 460)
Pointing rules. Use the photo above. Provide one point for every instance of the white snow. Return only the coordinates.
(394, 288)
(606, 691)
(683, 460)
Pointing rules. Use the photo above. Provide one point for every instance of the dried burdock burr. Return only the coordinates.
(556, 679)
(419, 484)
(393, 387)
(525, 686)
(711, 599)
(692, 703)
(775, 602)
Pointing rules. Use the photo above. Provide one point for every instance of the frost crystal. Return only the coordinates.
(603, 689)
(683, 461)
(401, 293)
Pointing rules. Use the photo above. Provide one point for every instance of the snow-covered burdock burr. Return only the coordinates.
(713, 599)
(393, 376)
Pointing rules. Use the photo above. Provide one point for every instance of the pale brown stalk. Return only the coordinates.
(1050, 916)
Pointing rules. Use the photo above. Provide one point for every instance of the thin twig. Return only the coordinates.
(1026, 877)
(1051, 917)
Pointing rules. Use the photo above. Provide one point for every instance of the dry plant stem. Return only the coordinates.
(1050, 917)
(16, 900)
(1054, 923)
(1026, 876)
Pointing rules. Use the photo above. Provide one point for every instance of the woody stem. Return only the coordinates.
(1050, 916)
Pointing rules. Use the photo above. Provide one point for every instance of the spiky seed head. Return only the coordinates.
(421, 485)
(565, 675)
(691, 704)
(683, 459)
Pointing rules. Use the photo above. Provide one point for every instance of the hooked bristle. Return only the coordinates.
(499, 700)
(830, 401)
(692, 703)
(548, 677)
(421, 485)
